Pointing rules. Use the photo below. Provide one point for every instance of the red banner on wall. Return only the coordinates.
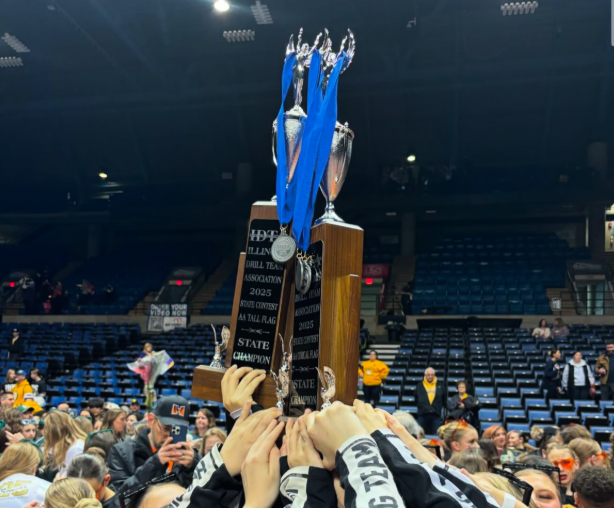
(376, 271)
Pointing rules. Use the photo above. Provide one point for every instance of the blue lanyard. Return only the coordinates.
(314, 157)
(284, 211)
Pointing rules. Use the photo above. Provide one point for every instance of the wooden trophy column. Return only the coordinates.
(259, 311)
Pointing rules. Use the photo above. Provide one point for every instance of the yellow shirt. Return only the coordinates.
(20, 390)
(431, 389)
(374, 372)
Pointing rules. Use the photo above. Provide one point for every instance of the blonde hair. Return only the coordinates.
(561, 448)
(215, 431)
(584, 448)
(84, 424)
(60, 434)
(19, 458)
(453, 432)
(71, 493)
(571, 432)
(504, 485)
(109, 418)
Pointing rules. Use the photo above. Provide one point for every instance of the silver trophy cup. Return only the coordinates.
(294, 125)
(336, 170)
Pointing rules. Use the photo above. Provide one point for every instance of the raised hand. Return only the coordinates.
(369, 417)
(260, 470)
(245, 432)
(330, 428)
(301, 451)
(238, 386)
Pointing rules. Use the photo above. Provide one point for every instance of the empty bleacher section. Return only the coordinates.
(221, 303)
(134, 270)
(109, 378)
(491, 275)
(58, 348)
(504, 367)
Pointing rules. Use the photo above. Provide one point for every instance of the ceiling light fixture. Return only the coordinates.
(513, 8)
(411, 158)
(15, 43)
(104, 176)
(261, 13)
(221, 6)
(10, 61)
(239, 35)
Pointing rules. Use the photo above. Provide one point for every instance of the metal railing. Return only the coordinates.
(584, 302)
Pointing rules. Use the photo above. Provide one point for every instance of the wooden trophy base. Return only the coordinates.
(207, 385)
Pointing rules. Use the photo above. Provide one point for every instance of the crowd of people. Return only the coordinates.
(41, 295)
(344, 455)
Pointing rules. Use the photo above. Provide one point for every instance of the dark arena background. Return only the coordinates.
(135, 135)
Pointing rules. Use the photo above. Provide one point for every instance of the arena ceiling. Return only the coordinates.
(150, 92)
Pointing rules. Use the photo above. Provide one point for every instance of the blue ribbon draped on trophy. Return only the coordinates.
(297, 299)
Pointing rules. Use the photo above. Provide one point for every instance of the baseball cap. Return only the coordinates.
(173, 410)
(28, 396)
(134, 401)
(23, 409)
(20, 372)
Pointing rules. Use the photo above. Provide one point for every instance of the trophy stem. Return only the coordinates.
(329, 214)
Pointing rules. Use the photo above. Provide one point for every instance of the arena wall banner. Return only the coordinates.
(163, 317)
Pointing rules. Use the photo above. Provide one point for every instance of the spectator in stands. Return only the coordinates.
(159, 496)
(545, 436)
(552, 374)
(57, 299)
(95, 406)
(30, 429)
(518, 441)
(211, 438)
(571, 432)
(87, 292)
(567, 461)
(410, 423)
(21, 387)
(407, 297)
(101, 440)
(602, 368)
(63, 441)
(203, 420)
(542, 331)
(37, 381)
(71, 493)
(545, 492)
(560, 329)
(594, 488)
(18, 481)
(135, 409)
(115, 420)
(429, 399)
(109, 296)
(589, 452)
(373, 372)
(458, 436)
(578, 379)
(462, 405)
(134, 462)
(7, 400)
(147, 350)
(92, 468)
(469, 460)
(85, 424)
(65, 407)
(9, 380)
(498, 436)
(131, 422)
(16, 346)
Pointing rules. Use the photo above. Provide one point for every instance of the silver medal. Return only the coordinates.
(283, 248)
